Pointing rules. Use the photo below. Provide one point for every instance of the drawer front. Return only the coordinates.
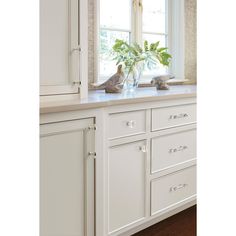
(167, 117)
(173, 149)
(171, 189)
(127, 123)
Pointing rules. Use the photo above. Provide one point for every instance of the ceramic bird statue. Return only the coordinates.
(114, 83)
(161, 81)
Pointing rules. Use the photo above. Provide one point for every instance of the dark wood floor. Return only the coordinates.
(182, 224)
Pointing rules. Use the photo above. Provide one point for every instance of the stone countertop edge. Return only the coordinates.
(98, 98)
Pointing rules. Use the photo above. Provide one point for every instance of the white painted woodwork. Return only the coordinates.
(168, 117)
(176, 39)
(172, 149)
(127, 123)
(126, 177)
(171, 189)
(54, 42)
(83, 40)
(136, 180)
(66, 179)
(63, 48)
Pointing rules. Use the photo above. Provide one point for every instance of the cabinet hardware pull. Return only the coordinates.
(131, 123)
(178, 149)
(180, 186)
(143, 149)
(182, 115)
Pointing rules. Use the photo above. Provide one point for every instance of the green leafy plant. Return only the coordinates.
(132, 55)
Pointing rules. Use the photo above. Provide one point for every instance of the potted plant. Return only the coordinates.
(135, 58)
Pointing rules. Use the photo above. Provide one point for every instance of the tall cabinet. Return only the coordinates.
(63, 47)
(67, 178)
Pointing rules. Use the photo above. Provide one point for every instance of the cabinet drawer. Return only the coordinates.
(167, 117)
(172, 149)
(127, 123)
(171, 189)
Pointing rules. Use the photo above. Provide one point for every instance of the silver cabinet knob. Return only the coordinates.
(131, 123)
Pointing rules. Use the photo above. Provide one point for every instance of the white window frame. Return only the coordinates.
(175, 35)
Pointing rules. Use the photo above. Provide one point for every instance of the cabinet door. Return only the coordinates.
(62, 47)
(66, 179)
(126, 190)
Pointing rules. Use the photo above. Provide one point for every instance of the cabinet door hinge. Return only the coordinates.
(78, 83)
(92, 127)
(92, 154)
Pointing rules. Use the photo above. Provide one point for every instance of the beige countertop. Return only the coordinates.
(99, 98)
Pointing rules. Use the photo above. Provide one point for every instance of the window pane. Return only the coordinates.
(115, 14)
(154, 16)
(152, 38)
(159, 70)
(107, 40)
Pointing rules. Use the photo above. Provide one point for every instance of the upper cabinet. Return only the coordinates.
(63, 47)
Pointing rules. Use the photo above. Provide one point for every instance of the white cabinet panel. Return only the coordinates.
(171, 189)
(127, 123)
(63, 49)
(54, 42)
(126, 184)
(172, 149)
(66, 180)
(167, 117)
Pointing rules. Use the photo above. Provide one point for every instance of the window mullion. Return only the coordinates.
(176, 38)
(133, 20)
(137, 21)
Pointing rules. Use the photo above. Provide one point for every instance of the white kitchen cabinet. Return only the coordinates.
(144, 169)
(63, 47)
(151, 163)
(67, 179)
(127, 170)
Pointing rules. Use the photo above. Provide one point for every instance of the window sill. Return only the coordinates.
(143, 84)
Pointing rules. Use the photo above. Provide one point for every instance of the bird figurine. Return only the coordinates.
(114, 83)
(161, 81)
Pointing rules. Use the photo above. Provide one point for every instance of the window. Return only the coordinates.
(115, 22)
(136, 21)
(155, 28)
